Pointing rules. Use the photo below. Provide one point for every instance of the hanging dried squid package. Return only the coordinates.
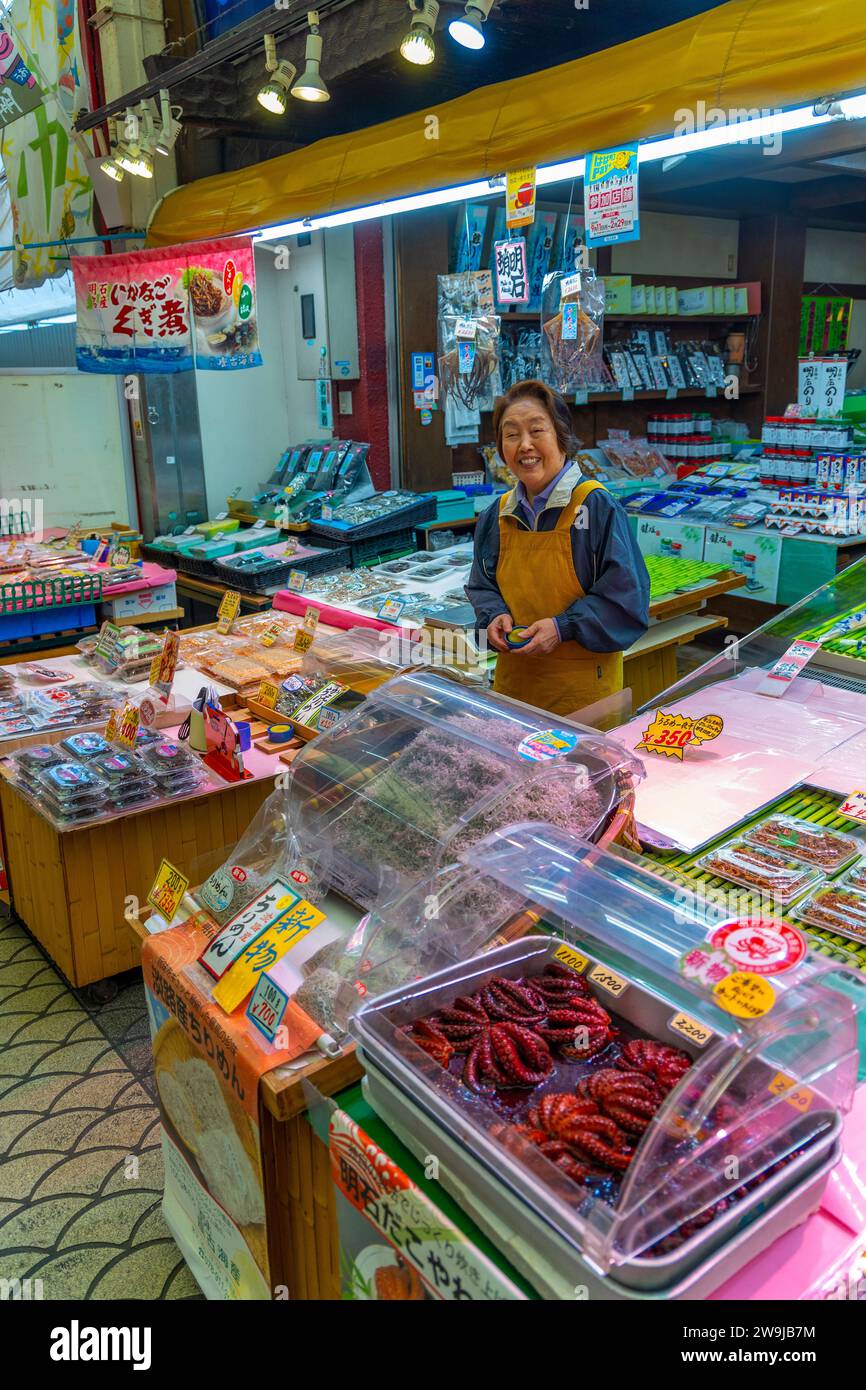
(572, 332)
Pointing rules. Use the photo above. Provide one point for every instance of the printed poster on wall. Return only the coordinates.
(659, 537)
(19, 92)
(512, 281)
(395, 1243)
(168, 309)
(610, 196)
(754, 555)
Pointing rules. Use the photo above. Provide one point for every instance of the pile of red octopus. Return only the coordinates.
(509, 1031)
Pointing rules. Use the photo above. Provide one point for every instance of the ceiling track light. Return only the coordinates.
(169, 125)
(468, 30)
(418, 46)
(108, 164)
(133, 153)
(310, 85)
(273, 94)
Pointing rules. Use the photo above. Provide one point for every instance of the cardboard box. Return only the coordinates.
(159, 600)
(617, 294)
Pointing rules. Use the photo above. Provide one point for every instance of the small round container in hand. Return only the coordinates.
(517, 638)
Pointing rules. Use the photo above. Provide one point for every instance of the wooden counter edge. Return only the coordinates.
(283, 1096)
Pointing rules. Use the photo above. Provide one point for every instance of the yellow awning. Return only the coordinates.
(748, 53)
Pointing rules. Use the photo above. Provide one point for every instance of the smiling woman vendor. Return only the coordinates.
(556, 557)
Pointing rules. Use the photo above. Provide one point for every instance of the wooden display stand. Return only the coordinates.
(71, 887)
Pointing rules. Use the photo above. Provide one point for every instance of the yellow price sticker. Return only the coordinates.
(290, 928)
(744, 995)
(271, 633)
(609, 980)
(800, 1097)
(303, 640)
(311, 618)
(571, 958)
(228, 610)
(670, 735)
(166, 894)
(112, 725)
(129, 724)
(268, 693)
(690, 1029)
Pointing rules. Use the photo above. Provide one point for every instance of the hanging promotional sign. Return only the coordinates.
(610, 196)
(19, 92)
(512, 280)
(520, 198)
(168, 310)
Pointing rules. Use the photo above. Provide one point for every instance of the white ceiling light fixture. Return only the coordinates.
(418, 46)
(468, 30)
(109, 165)
(273, 95)
(169, 125)
(310, 85)
(133, 154)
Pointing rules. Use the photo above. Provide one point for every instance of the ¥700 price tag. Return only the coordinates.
(670, 734)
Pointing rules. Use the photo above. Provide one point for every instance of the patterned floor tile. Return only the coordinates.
(80, 1154)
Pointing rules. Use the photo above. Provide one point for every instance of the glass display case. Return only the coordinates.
(635, 1108)
(427, 766)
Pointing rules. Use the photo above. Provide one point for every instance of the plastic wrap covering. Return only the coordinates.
(268, 849)
(601, 1092)
(428, 766)
(469, 366)
(572, 337)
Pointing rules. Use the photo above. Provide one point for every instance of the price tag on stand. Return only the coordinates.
(670, 734)
(112, 726)
(788, 667)
(130, 720)
(164, 665)
(391, 609)
(690, 1029)
(297, 580)
(854, 807)
(228, 611)
(271, 633)
(268, 693)
(266, 1007)
(166, 894)
(303, 640)
(260, 524)
(311, 618)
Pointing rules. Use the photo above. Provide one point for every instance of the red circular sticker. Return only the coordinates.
(147, 710)
(239, 874)
(299, 876)
(760, 945)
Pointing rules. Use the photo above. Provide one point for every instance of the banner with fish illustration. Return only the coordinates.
(167, 310)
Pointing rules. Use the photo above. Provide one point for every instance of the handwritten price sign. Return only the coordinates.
(671, 734)
(169, 886)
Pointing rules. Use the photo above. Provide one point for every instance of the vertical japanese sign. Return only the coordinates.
(395, 1243)
(512, 281)
(19, 92)
(610, 196)
(168, 310)
(520, 198)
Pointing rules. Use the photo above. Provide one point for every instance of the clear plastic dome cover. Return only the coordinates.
(759, 1099)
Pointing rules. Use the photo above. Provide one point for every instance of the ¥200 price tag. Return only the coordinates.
(670, 734)
(166, 894)
(690, 1029)
(303, 640)
(268, 693)
(228, 610)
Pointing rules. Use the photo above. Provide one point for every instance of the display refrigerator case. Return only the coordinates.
(594, 1105)
(428, 765)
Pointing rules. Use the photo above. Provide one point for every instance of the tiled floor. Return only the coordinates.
(80, 1159)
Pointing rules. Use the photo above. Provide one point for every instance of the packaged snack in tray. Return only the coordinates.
(72, 782)
(835, 908)
(48, 674)
(35, 760)
(13, 724)
(766, 871)
(125, 777)
(85, 746)
(801, 839)
(174, 768)
(855, 878)
(238, 670)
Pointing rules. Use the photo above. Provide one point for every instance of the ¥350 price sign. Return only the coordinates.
(670, 735)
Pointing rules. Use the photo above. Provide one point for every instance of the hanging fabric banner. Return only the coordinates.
(168, 310)
(19, 92)
(47, 178)
(610, 196)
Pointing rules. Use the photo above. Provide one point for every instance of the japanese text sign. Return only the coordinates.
(512, 281)
(243, 928)
(670, 734)
(168, 889)
(267, 1006)
(520, 198)
(610, 196)
(18, 90)
(284, 933)
(167, 310)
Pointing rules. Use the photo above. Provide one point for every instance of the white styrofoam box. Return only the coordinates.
(158, 600)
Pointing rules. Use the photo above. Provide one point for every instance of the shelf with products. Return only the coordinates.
(528, 316)
(688, 392)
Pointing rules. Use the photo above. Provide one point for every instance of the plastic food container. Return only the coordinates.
(837, 908)
(649, 1213)
(855, 878)
(812, 844)
(85, 746)
(764, 870)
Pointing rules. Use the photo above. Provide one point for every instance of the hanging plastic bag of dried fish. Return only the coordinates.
(469, 359)
(269, 849)
(572, 332)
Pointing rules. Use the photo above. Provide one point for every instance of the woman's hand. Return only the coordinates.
(497, 630)
(544, 635)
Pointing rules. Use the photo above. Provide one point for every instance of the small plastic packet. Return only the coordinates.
(806, 841)
(85, 746)
(764, 870)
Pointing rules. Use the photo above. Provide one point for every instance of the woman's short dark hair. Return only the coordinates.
(554, 404)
